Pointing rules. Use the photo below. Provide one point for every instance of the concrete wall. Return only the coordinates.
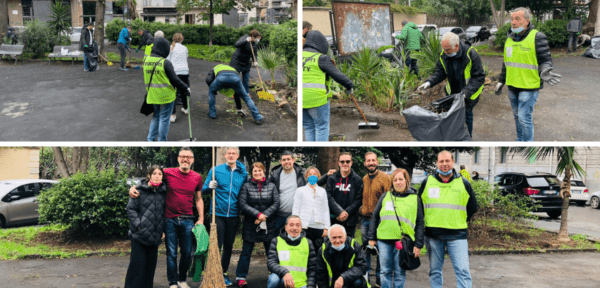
(19, 163)
(319, 18)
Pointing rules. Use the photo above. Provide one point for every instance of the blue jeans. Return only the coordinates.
(178, 232)
(392, 276)
(230, 80)
(246, 81)
(275, 282)
(458, 250)
(244, 263)
(160, 122)
(86, 63)
(522, 105)
(316, 123)
(364, 230)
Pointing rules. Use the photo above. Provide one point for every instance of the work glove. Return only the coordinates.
(189, 92)
(550, 77)
(249, 39)
(423, 87)
(212, 184)
(85, 46)
(350, 91)
(137, 50)
(498, 89)
(255, 64)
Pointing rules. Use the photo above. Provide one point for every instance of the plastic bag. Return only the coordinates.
(594, 50)
(64, 51)
(449, 124)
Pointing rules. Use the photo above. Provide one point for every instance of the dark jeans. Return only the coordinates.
(469, 105)
(244, 263)
(178, 232)
(572, 41)
(180, 93)
(364, 230)
(315, 236)
(142, 264)
(412, 63)
(230, 80)
(226, 229)
(350, 230)
(123, 52)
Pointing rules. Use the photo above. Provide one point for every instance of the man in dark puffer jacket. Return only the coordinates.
(242, 58)
(284, 254)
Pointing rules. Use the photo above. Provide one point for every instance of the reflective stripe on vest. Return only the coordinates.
(225, 68)
(349, 265)
(467, 75)
(406, 208)
(161, 91)
(297, 262)
(445, 204)
(314, 83)
(521, 63)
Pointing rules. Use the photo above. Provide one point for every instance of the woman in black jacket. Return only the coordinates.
(242, 58)
(146, 225)
(259, 202)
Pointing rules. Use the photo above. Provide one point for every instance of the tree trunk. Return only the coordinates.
(597, 29)
(99, 31)
(565, 193)
(3, 19)
(593, 20)
(60, 162)
(85, 159)
(494, 14)
(210, 26)
(501, 14)
(327, 158)
(76, 160)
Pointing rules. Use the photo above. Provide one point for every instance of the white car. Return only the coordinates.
(579, 193)
(18, 203)
(595, 200)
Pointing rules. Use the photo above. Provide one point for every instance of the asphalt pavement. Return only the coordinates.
(580, 220)
(61, 102)
(534, 271)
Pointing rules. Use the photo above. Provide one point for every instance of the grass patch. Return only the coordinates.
(214, 53)
(486, 50)
(114, 57)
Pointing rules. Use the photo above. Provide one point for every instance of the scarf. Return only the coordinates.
(259, 182)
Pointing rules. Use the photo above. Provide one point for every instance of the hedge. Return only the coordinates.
(555, 31)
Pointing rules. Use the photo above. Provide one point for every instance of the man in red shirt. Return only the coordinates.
(182, 185)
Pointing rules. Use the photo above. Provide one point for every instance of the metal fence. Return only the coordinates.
(451, 19)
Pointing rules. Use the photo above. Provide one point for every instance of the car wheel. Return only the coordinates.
(2, 222)
(554, 214)
(595, 202)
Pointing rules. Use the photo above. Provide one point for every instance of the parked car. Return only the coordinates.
(18, 203)
(595, 200)
(426, 28)
(477, 33)
(494, 29)
(462, 36)
(542, 188)
(579, 193)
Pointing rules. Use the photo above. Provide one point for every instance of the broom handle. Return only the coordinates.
(259, 77)
(352, 94)
(213, 178)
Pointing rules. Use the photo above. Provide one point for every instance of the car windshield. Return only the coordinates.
(474, 29)
(540, 181)
(577, 183)
(442, 31)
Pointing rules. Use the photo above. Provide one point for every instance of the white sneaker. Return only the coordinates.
(173, 286)
(183, 285)
(185, 111)
(241, 113)
(173, 117)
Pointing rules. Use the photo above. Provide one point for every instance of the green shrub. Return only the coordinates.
(556, 31)
(492, 204)
(429, 54)
(284, 39)
(271, 60)
(38, 38)
(92, 204)
(501, 35)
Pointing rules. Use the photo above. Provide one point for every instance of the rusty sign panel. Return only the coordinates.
(361, 24)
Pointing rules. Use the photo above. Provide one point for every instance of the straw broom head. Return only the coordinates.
(213, 273)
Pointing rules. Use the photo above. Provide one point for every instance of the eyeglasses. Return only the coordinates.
(345, 161)
(186, 157)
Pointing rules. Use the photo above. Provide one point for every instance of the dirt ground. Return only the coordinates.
(565, 112)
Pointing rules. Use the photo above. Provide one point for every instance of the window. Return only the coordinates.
(27, 10)
(89, 11)
(44, 186)
(456, 157)
(476, 157)
(118, 10)
(149, 18)
(189, 19)
(167, 19)
(24, 191)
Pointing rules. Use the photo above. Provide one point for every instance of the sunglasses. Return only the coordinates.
(186, 157)
(345, 161)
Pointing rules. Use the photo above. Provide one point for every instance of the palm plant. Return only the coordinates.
(59, 18)
(567, 164)
(429, 54)
(268, 59)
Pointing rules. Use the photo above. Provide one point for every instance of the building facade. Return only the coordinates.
(19, 163)
(82, 11)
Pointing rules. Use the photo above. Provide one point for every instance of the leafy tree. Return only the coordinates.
(566, 163)
(423, 158)
(60, 21)
(471, 9)
(3, 19)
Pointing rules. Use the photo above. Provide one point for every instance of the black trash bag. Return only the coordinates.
(594, 50)
(446, 123)
(92, 56)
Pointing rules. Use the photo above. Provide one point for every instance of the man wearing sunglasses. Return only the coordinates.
(182, 185)
(344, 194)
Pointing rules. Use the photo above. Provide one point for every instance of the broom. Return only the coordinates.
(213, 273)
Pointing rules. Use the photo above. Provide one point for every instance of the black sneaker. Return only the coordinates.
(378, 282)
(258, 122)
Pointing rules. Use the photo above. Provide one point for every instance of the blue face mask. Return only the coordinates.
(443, 173)
(312, 179)
(293, 238)
(339, 248)
(518, 30)
(451, 55)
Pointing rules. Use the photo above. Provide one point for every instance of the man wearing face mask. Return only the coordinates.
(340, 261)
(448, 204)
(527, 64)
(292, 258)
(344, 194)
(243, 57)
(288, 177)
(375, 184)
(461, 65)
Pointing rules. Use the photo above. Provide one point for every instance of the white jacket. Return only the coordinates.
(179, 57)
(307, 203)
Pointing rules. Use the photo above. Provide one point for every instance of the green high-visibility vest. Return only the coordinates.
(349, 265)
(294, 259)
(223, 68)
(521, 64)
(465, 174)
(467, 75)
(406, 208)
(445, 204)
(161, 91)
(148, 49)
(315, 87)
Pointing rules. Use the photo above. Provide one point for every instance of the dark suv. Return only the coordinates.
(542, 188)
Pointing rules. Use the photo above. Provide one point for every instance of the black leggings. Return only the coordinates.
(226, 230)
(180, 93)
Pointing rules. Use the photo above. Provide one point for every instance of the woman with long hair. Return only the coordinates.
(178, 56)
